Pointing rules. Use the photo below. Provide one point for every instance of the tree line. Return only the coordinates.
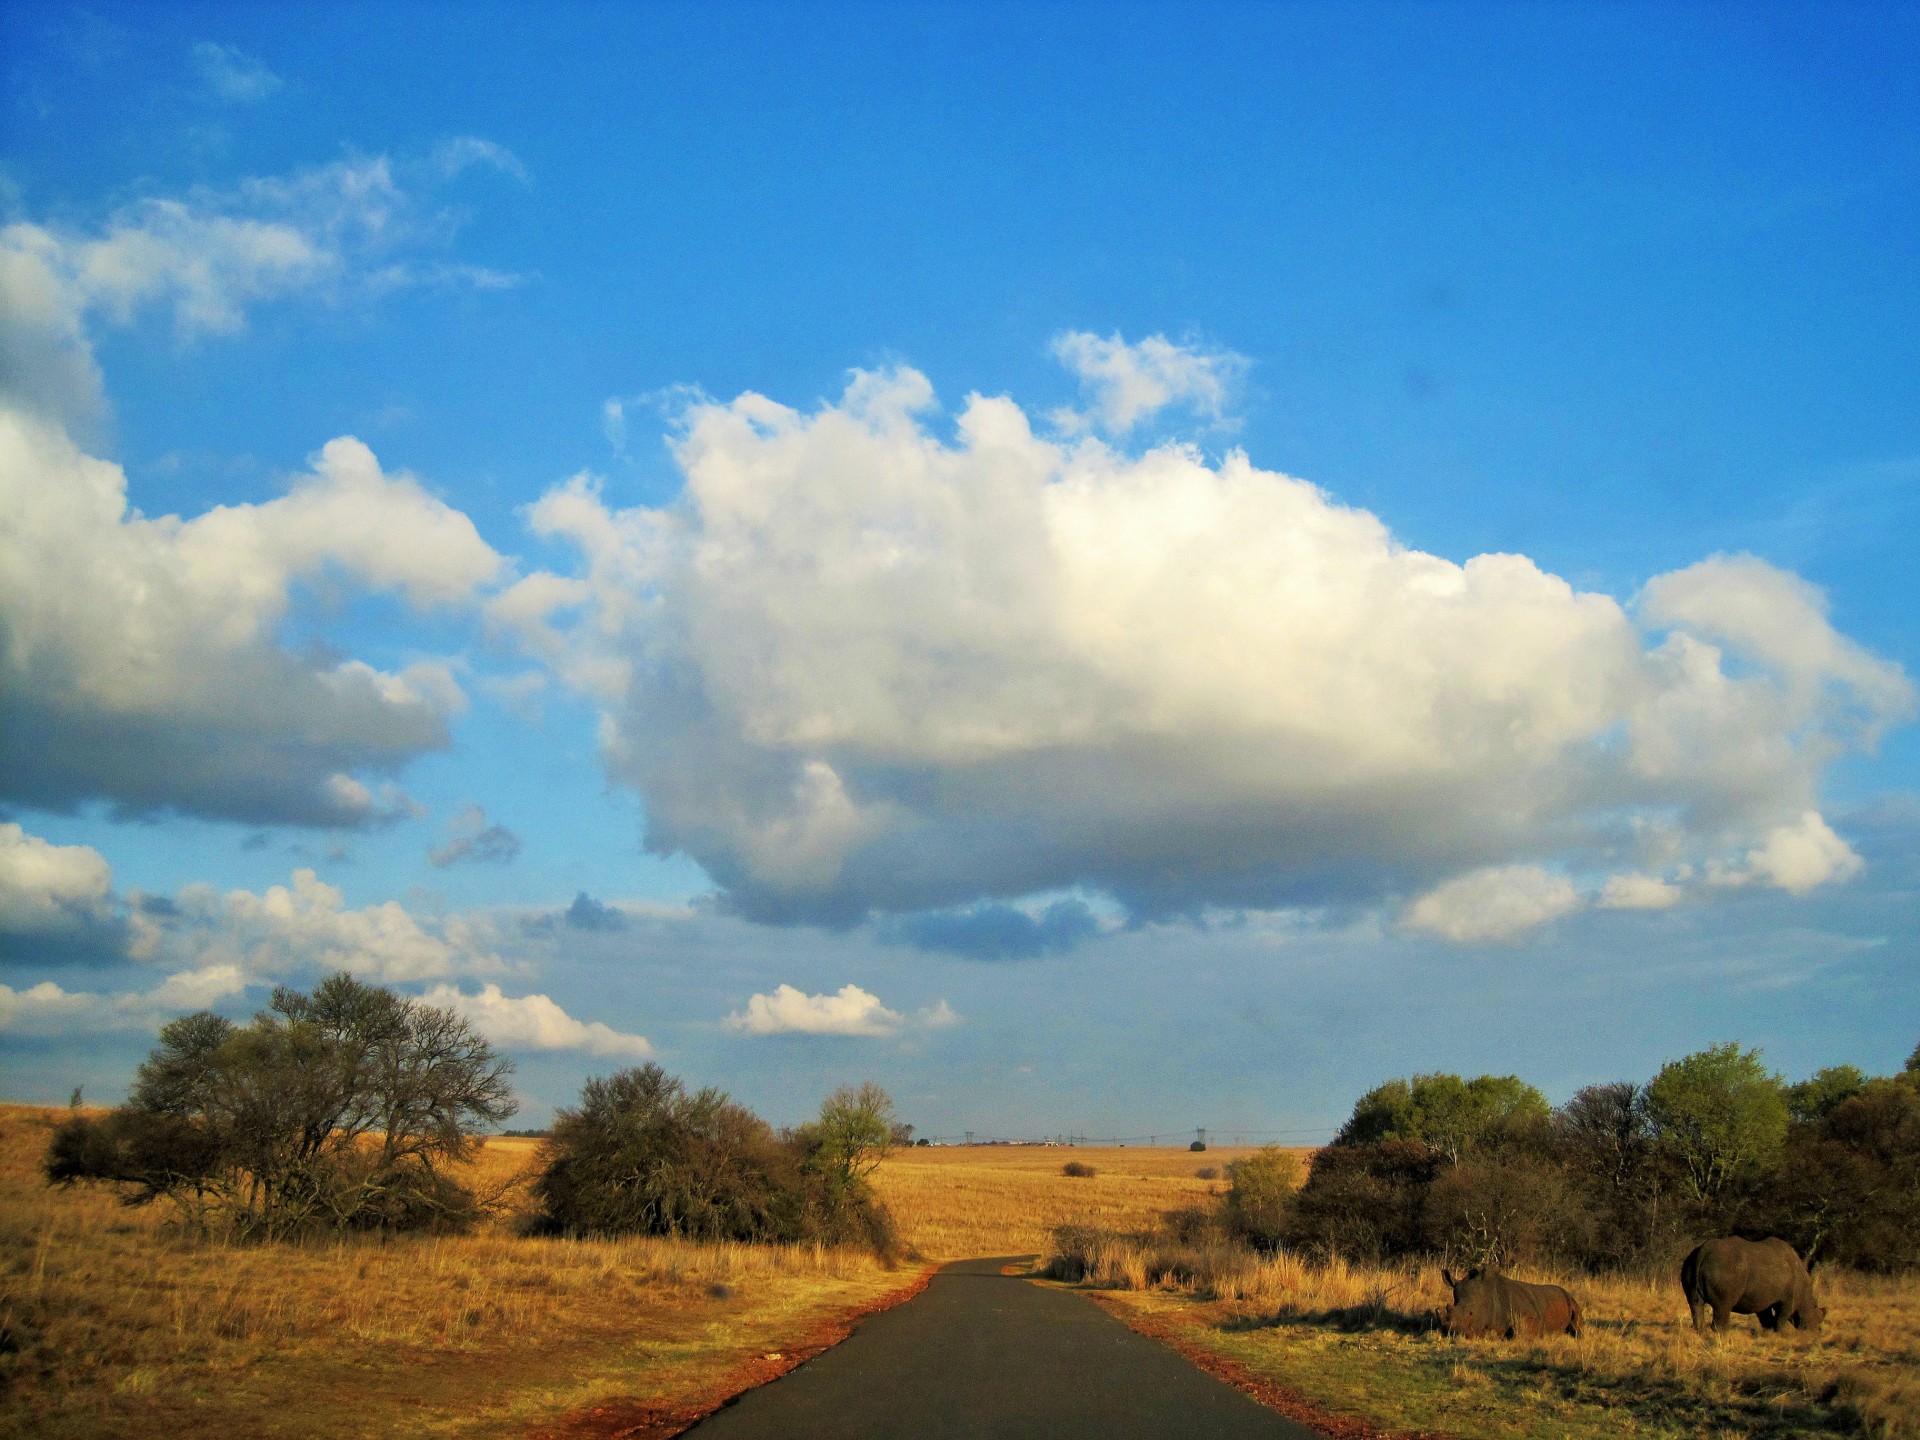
(1623, 1176)
(352, 1109)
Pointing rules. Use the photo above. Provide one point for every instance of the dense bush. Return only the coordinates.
(331, 1111)
(1506, 1211)
(1078, 1169)
(1621, 1176)
(1366, 1201)
(643, 1155)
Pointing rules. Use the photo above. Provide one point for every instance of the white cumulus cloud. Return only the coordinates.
(140, 657)
(47, 887)
(859, 666)
(1500, 902)
(535, 1022)
(788, 1011)
(47, 1009)
(1799, 856)
(140, 660)
(308, 926)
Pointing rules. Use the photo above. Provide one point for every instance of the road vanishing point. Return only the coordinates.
(990, 1356)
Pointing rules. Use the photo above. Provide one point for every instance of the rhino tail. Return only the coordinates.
(1690, 1278)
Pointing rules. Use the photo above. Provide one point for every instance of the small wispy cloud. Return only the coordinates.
(471, 838)
(1127, 384)
(231, 76)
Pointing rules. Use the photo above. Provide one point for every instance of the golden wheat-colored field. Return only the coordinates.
(955, 1201)
(112, 1322)
(117, 1324)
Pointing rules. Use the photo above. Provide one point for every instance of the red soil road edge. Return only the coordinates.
(1282, 1398)
(618, 1419)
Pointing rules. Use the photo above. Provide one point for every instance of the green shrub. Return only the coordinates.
(1259, 1189)
(1079, 1169)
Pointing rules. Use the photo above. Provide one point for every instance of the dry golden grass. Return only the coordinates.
(955, 1201)
(1354, 1338)
(119, 1324)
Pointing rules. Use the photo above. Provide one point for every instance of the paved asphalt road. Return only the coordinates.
(981, 1354)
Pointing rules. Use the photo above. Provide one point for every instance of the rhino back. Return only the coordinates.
(1548, 1307)
(1749, 1276)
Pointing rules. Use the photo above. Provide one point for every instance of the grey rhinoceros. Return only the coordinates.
(1762, 1278)
(1487, 1303)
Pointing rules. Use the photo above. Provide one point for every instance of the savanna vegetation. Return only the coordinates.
(1325, 1281)
(212, 1261)
(338, 1111)
(641, 1155)
(294, 1227)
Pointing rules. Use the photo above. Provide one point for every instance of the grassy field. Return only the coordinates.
(954, 1201)
(113, 1323)
(1355, 1340)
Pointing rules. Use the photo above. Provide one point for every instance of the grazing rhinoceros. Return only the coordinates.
(1763, 1278)
(1485, 1303)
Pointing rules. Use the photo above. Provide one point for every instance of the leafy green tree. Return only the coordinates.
(1259, 1188)
(1451, 1114)
(1721, 1116)
(852, 1135)
(1818, 1095)
(1848, 1186)
(331, 1110)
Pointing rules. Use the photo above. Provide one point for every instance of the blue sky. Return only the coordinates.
(974, 504)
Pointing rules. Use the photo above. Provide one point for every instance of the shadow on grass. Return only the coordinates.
(1348, 1319)
(1770, 1405)
(1767, 1405)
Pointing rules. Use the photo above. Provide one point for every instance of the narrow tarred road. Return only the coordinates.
(981, 1354)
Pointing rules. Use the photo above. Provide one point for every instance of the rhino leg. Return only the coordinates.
(1699, 1308)
(1722, 1317)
